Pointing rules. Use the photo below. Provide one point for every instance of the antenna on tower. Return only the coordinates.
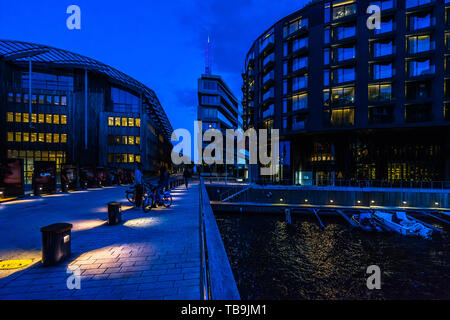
(208, 57)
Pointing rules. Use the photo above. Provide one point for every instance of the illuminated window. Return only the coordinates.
(33, 137)
(138, 122)
(131, 140)
(48, 138)
(10, 117)
(56, 118)
(56, 100)
(117, 122)
(18, 117)
(110, 121)
(131, 158)
(63, 100)
(131, 122)
(26, 118)
(63, 119)
(124, 122)
(33, 99)
(10, 136)
(33, 117)
(55, 138)
(26, 137)
(41, 118)
(41, 137)
(138, 158)
(63, 138)
(18, 136)
(124, 158)
(48, 118)
(41, 99)
(124, 140)
(138, 140)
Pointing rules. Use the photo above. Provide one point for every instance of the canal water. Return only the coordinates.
(271, 260)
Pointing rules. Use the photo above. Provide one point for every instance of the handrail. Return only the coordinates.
(205, 287)
(217, 280)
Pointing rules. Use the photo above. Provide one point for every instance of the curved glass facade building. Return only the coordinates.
(355, 103)
(60, 107)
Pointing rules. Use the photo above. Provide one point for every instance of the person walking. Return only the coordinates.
(139, 184)
(186, 177)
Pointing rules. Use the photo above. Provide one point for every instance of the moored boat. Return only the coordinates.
(399, 222)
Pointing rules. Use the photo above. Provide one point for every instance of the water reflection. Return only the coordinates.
(271, 260)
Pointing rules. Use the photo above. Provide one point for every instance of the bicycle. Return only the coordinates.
(156, 197)
(131, 193)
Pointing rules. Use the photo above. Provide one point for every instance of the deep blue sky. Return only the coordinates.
(160, 43)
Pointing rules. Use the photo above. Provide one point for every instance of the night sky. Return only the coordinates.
(160, 43)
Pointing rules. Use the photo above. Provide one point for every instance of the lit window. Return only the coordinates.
(138, 122)
(63, 138)
(26, 118)
(18, 117)
(124, 140)
(41, 118)
(131, 158)
(41, 137)
(138, 140)
(48, 138)
(34, 117)
(10, 136)
(56, 118)
(56, 100)
(63, 100)
(124, 122)
(26, 137)
(124, 158)
(130, 122)
(131, 140)
(18, 136)
(41, 99)
(33, 99)
(33, 137)
(138, 158)
(63, 119)
(110, 121)
(55, 138)
(10, 117)
(48, 118)
(117, 122)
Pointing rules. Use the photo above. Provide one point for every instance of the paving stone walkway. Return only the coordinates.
(148, 256)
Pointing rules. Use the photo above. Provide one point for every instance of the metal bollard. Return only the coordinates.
(114, 213)
(56, 242)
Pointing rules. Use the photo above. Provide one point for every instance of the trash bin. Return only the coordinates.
(114, 213)
(56, 239)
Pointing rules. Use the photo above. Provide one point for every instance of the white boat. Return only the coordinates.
(399, 222)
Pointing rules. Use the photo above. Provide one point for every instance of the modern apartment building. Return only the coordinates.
(63, 108)
(218, 109)
(354, 103)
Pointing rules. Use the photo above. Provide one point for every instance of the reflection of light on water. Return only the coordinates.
(142, 222)
(82, 225)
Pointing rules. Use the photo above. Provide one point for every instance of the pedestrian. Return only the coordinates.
(186, 177)
(139, 183)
